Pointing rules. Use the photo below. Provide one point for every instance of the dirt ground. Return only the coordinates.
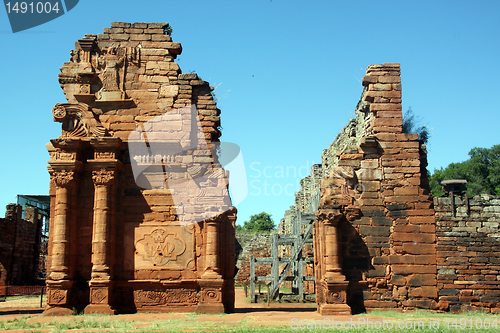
(251, 313)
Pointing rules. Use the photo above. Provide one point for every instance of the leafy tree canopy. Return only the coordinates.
(412, 124)
(258, 223)
(481, 170)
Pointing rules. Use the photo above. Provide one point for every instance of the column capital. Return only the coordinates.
(329, 215)
(103, 177)
(64, 178)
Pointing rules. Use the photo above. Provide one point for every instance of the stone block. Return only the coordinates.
(120, 25)
(389, 79)
(387, 122)
(386, 107)
(119, 37)
(422, 280)
(168, 91)
(367, 79)
(413, 269)
(381, 87)
(374, 230)
(140, 37)
(427, 249)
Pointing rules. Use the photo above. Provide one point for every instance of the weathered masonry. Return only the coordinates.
(375, 243)
(380, 240)
(468, 252)
(19, 246)
(141, 218)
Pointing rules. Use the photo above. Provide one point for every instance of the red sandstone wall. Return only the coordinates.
(468, 253)
(389, 249)
(19, 247)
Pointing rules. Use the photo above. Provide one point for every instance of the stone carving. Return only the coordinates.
(113, 63)
(104, 155)
(63, 178)
(75, 55)
(169, 296)
(78, 120)
(103, 177)
(159, 247)
(211, 295)
(62, 155)
(336, 297)
(57, 296)
(98, 296)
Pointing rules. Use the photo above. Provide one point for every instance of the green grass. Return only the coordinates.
(417, 321)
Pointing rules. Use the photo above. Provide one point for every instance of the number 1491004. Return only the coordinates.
(32, 7)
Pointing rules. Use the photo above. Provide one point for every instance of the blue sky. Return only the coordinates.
(287, 75)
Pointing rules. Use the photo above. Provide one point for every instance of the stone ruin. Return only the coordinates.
(380, 239)
(374, 234)
(20, 239)
(141, 218)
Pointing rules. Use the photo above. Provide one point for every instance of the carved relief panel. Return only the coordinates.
(163, 297)
(158, 247)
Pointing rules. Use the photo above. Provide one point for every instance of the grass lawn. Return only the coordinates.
(418, 321)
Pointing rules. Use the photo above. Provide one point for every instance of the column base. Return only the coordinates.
(334, 309)
(332, 298)
(105, 309)
(57, 311)
(211, 296)
(210, 308)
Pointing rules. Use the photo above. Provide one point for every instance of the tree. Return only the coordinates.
(481, 170)
(258, 223)
(411, 124)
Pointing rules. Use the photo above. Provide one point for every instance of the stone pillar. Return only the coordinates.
(105, 168)
(332, 287)
(212, 249)
(59, 281)
(333, 268)
(100, 283)
(211, 281)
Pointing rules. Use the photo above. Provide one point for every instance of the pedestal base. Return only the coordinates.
(57, 311)
(334, 309)
(211, 296)
(105, 309)
(210, 308)
(332, 298)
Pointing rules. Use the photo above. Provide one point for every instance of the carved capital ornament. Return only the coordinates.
(103, 177)
(63, 178)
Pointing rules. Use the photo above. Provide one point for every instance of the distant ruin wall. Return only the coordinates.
(19, 246)
(468, 253)
(251, 245)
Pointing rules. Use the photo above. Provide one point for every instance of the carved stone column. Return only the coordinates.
(212, 251)
(331, 291)
(211, 281)
(105, 168)
(59, 280)
(100, 283)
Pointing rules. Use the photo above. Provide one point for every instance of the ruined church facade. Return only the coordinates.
(139, 200)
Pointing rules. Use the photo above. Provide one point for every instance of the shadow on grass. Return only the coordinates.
(13, 312)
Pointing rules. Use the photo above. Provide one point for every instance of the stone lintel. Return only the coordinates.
(58, 166)
(108, 164)
(67, 143)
